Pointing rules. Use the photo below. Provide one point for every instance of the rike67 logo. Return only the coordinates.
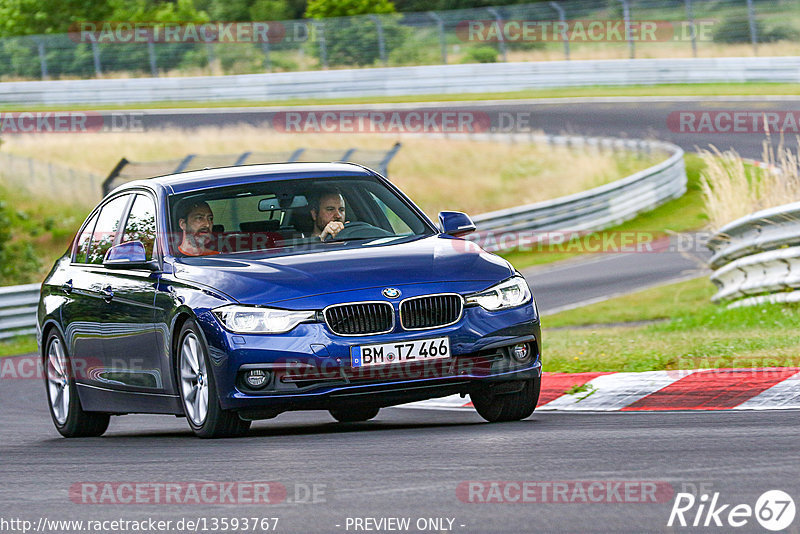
(774, 510)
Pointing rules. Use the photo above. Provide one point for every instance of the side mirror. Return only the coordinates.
(129, 255)
(455, 223)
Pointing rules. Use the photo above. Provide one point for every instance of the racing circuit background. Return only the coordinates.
(634, 438)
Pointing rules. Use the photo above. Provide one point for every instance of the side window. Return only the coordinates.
(141, 225)
(106, 229)
(82, 248)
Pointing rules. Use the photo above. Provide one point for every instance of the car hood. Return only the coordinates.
(429, 260)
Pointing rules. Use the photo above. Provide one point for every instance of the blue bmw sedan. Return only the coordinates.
(231, 295)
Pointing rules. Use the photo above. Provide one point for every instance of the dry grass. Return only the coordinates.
(437, 173)
(732, 189)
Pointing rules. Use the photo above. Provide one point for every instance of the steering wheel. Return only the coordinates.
(360, 230)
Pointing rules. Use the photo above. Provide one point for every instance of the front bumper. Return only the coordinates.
(310, 367)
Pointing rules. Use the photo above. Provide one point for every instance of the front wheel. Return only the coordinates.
(62, 394)
(199, 390)
(354, 414)
(495, 405)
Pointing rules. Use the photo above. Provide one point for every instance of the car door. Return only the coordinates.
(85, 310)
(131, 351)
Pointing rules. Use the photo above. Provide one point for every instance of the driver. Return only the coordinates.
(196, 221)
(327, 211)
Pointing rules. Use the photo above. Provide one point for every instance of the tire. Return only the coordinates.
(62, 394)
(496, 406)
(355, 414)
(196, 383)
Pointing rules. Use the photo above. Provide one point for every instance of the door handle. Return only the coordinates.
(66, 287)
(108, 294)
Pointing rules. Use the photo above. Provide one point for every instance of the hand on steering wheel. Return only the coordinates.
(332, 229)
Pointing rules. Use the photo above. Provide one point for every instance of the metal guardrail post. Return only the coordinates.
(319, 29)
(115, 172)
(296, 155)
(267, 59)
(96, 54)
(42, 58)
(383, 166)
(151, 53)
(241, 159)
(751, 19)
(184, 163)
(381, 40)
(626, 14)
(500, 31)
(562, 17)
(442, 35)
(692, 26)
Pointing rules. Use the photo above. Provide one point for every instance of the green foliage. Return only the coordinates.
(354, 41)
(322, 9)
(480, 54)
(18, 261)
(736, 29)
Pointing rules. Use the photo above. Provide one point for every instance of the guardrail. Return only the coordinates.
(18, 310)
(403, 81)
(591, 210)
(756, 259)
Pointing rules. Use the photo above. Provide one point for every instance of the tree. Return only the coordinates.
(322, 9)
(31, 17)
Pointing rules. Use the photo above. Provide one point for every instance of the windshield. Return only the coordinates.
(289, 214)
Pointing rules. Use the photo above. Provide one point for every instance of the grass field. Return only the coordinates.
(687, 332)
(680, 215)
(664, 90)
(487, 175)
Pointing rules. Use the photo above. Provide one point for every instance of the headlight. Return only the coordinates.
(509, 294)
(252, 320)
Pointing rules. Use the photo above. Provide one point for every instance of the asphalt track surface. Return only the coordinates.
(600, 276)
(406, 463)
(633, 117)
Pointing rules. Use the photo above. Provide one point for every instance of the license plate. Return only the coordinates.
(406, 351)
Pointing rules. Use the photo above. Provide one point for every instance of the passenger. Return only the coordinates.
(196, 221)
(327, 210)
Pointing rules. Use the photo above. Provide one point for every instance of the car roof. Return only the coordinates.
(244, 174)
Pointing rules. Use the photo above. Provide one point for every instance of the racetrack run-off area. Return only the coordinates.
(712, 389)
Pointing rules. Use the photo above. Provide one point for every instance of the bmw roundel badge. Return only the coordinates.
(391, 293)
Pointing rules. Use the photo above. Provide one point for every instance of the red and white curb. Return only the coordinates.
(703, 389)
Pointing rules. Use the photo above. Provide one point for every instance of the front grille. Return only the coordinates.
(361, 318)
(430, 311)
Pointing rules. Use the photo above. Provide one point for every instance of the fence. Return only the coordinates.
(126, 171)
(757, 258)
(403, 81)
(49, 180)
(522, 32)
